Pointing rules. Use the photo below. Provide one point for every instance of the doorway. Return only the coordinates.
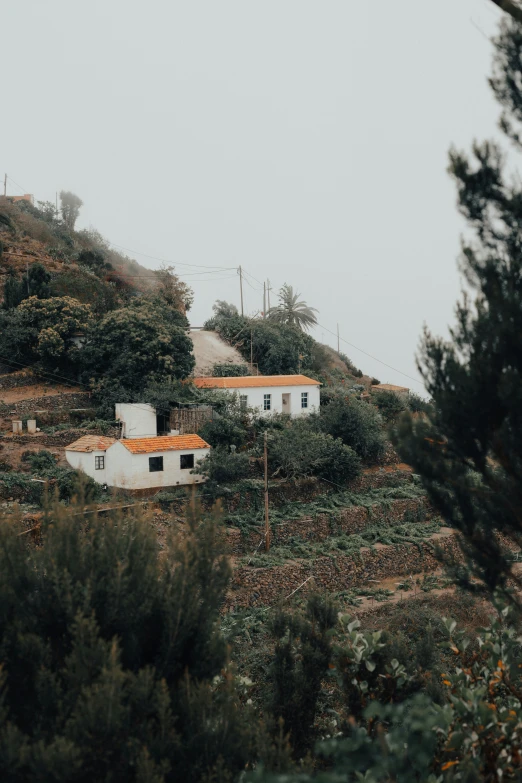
(287, 403)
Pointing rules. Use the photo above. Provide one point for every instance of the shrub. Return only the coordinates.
(229, 370)
(223, 466)
(358, 424)
(112, 659)
(41, 460)
(390, 405)
(224, 431)
(299, 450)
(418, 404)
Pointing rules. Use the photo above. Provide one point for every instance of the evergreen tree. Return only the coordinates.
(469, 451)
(112, 663)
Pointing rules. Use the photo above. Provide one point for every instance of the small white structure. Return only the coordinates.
(139, 463)
(295, 395)
(138, 420)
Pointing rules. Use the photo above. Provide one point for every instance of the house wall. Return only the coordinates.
(131, 471)
(139, 420)
(256, 397)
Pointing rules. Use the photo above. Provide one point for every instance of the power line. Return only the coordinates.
(167, 261)
(370, 355)
(23, 190)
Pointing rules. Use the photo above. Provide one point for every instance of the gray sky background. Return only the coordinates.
(305, 140)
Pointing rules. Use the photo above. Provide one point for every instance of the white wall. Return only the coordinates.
(256, 394)
(131, 471)
(139, 420)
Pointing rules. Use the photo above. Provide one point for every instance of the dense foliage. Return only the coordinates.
(469, 449)
(134, 346)
(112, 670)
(41, 332)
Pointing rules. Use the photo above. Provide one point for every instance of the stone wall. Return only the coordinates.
(321, 526)
(16, 380)
(56, 402)
(266, 586)
(62, 438)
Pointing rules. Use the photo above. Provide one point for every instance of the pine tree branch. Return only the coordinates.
(510, 8)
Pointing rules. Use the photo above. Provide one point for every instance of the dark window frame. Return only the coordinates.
(155, 464)
(243, 401)
(99, 463)
(267, 402)
(304, 399)
(184, 458)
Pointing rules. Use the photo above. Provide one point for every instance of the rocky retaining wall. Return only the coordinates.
(62, 438)
(381, 478)
(16, 380)
(321, 526)
(50, 403)
(266, 586)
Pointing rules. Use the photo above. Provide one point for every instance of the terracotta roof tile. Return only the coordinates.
(89, 443)
(164, 443)
(250, 381)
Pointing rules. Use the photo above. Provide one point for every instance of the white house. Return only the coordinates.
(295, 395)
(139, 462)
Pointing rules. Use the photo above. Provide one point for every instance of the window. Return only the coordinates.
(155, 464)
(267, 402)
(186, 461)
(99, 463)
(304, 399)
(243, 401)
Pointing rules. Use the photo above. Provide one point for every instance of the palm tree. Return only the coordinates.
(291, 311)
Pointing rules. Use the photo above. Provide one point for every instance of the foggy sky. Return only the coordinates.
(305, 140)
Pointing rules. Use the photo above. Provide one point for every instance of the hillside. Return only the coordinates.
(39, 236)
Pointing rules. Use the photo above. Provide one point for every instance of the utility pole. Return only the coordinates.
(251, 353)
(268, 292)
(267, 523)
(264, 300)
(5, 185)
(56, 203)
(241, 287)
(338, 345)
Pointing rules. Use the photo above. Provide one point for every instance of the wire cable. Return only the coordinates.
(166, 260)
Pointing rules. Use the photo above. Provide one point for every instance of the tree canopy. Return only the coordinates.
(292, 311)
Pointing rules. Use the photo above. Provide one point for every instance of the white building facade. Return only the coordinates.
(295, 395)
(139, 463)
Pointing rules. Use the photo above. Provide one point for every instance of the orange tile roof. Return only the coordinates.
(164, 443)
(250, 381)
(388, 387)
(89, 443)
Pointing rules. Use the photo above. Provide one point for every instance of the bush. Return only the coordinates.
(358, 425)
(224, 431)
(229, 370)
(223, 466)
(41, 460)
(299, 450)
(418, 404)
(112, 658)
(390, 405)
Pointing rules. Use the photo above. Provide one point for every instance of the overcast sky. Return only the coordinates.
(305, 140)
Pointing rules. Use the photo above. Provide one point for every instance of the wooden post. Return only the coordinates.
(5, 184)
(338, 346)
(267, 523)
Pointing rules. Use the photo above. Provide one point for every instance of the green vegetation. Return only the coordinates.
(356, 423)
(292, 311)
(40, 332)
(299, 450)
